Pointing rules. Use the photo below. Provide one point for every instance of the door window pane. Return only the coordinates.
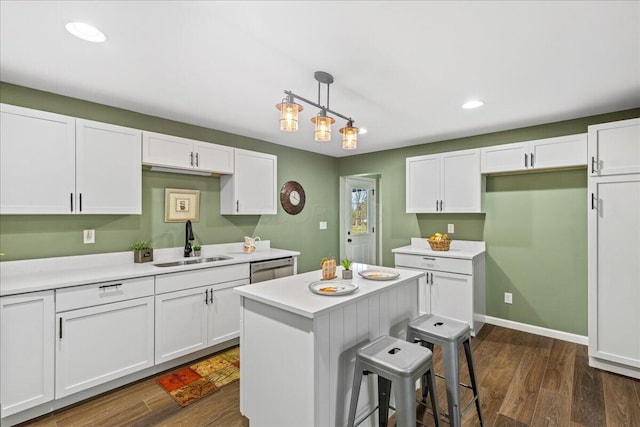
(359, 211)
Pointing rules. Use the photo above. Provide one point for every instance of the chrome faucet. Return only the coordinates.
(188, 238)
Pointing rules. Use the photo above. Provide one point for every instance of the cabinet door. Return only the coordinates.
(98, 344)
(181, 323)
(422, 184)
(614, 270)
(37, 162)
(214, 158)
(614, 148)
(251, 190)
(26, 351)
(461, 189)
(224, 312)
(505, 158)
(167, 150)
(558, 152)
(108, 169)
(451, 295)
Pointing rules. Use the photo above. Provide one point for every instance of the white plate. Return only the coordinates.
(379, 274)
(332, 287)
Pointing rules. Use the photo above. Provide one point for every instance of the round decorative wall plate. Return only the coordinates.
(292, 197)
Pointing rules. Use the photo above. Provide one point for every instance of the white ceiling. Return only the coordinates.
(402, 69)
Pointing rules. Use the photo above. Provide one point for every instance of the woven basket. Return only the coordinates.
(441, 245)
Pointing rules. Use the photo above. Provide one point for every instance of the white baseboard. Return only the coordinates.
(538, 330)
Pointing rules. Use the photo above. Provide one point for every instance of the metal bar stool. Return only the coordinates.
(398, 364)
(448, 334)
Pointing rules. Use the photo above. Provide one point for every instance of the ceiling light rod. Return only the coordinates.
(335, 113)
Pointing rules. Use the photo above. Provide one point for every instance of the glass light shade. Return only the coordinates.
(323, 127)
(289, 115)
(349, 137)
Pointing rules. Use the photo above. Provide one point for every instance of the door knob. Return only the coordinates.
(349, 240)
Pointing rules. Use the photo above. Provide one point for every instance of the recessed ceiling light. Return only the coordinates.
(362, 131)
(474, 103)
(86, 32)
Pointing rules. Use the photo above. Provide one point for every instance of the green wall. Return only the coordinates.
(39, 236)
(534, 225)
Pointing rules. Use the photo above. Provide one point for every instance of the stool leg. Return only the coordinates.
(472, 374)
(423, 381)
(404, 391)
(431, 385)
(384, 395)
(452, 379)
(355, 392)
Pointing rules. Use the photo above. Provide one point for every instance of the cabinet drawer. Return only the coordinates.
(207, 276)
(429, 262)
(102, 293)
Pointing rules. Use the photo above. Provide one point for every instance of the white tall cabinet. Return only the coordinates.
(446, 182)
(26, 350)
(614, 247)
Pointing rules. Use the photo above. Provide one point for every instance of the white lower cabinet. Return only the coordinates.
(106, 333)
(453, 287)
(205, 314)
(26, 351)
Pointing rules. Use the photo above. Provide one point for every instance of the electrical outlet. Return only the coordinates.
(323, 225)
(89, 236)
(450, 228)
(508, 298)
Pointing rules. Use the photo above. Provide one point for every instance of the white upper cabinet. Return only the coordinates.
(108, 169)
(54, 164)
(560, 152)
(37, 161)
(185, 154)
(447, 182)
(252, 189)
(614, 148)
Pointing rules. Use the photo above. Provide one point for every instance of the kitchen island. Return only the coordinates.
(297, 348)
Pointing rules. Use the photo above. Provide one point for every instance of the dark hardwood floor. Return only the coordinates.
(524, 379)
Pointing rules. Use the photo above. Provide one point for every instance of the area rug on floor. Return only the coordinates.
(187, 385)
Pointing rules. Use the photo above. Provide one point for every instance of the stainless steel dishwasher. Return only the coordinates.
(272, 269)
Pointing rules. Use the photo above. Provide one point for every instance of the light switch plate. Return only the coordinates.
(323, 225)
(508, 298)
(450, 228)
(89, 236)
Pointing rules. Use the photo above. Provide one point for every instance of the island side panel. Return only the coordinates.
(277, 366)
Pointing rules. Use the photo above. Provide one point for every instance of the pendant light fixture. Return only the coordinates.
(289, 110)
(289, 114)
(349, 136)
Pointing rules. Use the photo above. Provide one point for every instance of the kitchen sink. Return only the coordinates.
(192, 261)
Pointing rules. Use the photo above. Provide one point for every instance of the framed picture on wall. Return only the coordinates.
(181, 205)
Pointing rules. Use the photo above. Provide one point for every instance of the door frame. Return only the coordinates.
(377, 177)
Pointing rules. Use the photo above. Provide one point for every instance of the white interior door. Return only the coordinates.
(360, 220)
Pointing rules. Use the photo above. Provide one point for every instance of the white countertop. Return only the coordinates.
(52, 273)
(463, 249)
(292, 293)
